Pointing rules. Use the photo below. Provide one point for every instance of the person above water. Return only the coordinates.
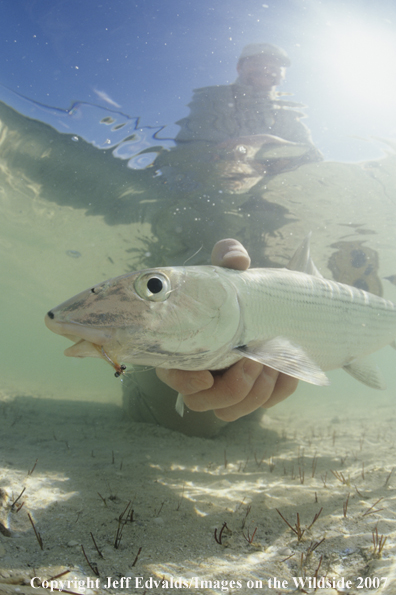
(236, 138)
(249, 107)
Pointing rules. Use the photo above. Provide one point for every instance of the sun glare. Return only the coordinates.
(362, 60)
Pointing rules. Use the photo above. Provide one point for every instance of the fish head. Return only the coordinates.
(167, 317)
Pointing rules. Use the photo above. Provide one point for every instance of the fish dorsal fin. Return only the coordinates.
(281, 355)
(367, 372)
(302, 261)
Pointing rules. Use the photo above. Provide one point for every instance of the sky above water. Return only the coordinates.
(144, 58)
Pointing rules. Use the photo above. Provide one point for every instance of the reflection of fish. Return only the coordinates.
(208, 317)
(244, 161)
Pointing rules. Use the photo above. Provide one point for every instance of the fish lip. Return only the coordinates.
(75, 331)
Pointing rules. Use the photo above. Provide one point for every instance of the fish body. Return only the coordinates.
(208, 317)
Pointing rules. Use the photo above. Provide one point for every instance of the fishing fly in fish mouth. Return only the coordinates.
(208, 317)
(119, 369)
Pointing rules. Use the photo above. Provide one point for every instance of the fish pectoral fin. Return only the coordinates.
(366, 371)
(285, 357)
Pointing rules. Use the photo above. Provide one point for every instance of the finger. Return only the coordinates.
(285, 386)
(185, 382)
(228, 388)
(231, 254)
(260, 393)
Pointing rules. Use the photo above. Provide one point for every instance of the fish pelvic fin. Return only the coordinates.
(179, 405)
(302, 261)
(280, 354)
(366, 372)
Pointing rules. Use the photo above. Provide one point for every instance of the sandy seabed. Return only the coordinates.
(170, 513)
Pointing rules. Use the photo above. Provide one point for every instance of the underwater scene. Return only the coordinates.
(224, 421)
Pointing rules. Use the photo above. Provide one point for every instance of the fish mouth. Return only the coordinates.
(78, 332)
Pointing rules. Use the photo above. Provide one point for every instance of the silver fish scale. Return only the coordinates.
(332, 322)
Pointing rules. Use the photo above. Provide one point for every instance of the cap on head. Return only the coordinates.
(266, 49)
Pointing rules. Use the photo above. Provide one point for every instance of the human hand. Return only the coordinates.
(246, 385)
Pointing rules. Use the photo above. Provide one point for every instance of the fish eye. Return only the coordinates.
(153, 286)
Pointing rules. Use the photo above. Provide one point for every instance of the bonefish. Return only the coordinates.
(208, 317)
